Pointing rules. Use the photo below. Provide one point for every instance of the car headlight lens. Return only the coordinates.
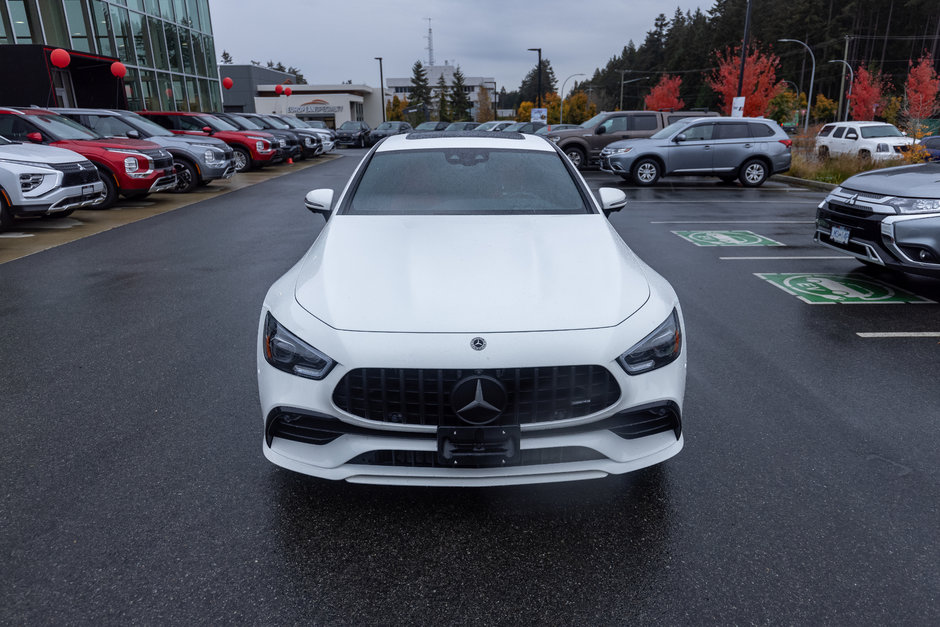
(259, 145)
(619, 151)
(285, 351)
(211, 156)
(915, 205)
(882, 148)
(130, 165)
(29, 182)
(554, 138)
(659, 348)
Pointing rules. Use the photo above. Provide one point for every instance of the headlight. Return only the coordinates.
(915, 205)
(659, 348)
(259, 146)
(554, 138)
(882, 148)
(618, 151)
(29, 182)
(130, 165)
(285, 351)
(209, 156)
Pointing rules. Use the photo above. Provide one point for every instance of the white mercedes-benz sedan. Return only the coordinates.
(469, 317)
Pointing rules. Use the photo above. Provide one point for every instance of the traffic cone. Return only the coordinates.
(290, 161)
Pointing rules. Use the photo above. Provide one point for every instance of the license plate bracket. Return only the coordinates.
(839, 234)
(476, 447)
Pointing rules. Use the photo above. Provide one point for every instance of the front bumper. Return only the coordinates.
(909, 243)
(58, 200)
(305, 430)
(217, 170)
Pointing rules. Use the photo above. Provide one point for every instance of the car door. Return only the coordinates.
(732, 146)
(693, 153)
(610, 130)
(640, 125)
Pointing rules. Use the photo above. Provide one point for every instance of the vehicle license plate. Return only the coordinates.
(839, 235)
(477, 446)
(87, 190)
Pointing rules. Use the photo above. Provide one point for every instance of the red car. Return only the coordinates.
(253, 149)
(130, 167)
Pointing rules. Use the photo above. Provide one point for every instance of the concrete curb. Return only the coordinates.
(792, 180)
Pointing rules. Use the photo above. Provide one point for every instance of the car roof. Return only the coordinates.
(88, 110)
(872, 123)
(430, 140)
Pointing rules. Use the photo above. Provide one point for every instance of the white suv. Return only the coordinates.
(37, 180)
(869, 140)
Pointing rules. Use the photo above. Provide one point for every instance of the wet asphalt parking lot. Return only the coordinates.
(135, 490)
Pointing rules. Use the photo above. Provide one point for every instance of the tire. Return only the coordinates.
(136, 195)
(242, 159)
(727, 179)
(823, 152)
(576, 156)
(186, 177)
(753, 173)
(646, 172)
(864, 154)
(110, 190)
(6, 215)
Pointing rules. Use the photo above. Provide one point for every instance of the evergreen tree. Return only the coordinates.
(459, 101)
(420, 90)
(442, 106)
(226, 58)
(529, 89)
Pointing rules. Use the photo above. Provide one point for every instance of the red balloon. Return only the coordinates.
(287, 91)
(227, 82)
(118, 69)
(278, 89)
(60, 58)
(169, 92)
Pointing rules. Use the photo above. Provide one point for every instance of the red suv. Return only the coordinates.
(253, 149)
(130, 167)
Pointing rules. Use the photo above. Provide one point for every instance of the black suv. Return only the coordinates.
(353, 134)
(386, 129)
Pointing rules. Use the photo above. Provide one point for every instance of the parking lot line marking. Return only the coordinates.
(776, 258)
(726, 238)
(902, 334)
(735, 222)
(846, 289)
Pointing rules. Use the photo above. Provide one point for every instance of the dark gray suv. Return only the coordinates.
(747, 149)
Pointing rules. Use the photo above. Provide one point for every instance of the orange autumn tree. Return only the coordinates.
(867, 89)
(665, 95)
(760, 79)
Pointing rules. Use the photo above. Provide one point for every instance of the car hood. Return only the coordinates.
(39, 153)
(114, 142)
(912, 181)
(460, 274)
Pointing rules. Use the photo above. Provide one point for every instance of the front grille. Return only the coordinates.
(429, 459)
(77, 173)
(849, 210)
(862, 195)
(161, 159)
(422, 397)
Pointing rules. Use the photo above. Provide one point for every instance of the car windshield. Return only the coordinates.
(313, 123)
(514, 127)
(109, 125)
(385, 126)
(672, 128)
(487, 126)
(350, 126)
(216, 124)
(427, 126)
(593, 121)
(884, 130)
(4, 141)
(246, 124)
(151, 129)
(293, 122)
(466, 181)
(276, 123)
(62, 127)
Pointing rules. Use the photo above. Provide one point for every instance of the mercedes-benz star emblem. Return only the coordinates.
(478, 400)
(478, 343)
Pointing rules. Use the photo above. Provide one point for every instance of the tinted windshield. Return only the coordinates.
(669, 130)
(466, 181)
(217, 124)
(385, 126)
(293, 122)
(62, 127)
(274, 122)
(145, 126)
(109, 125)
(886, 130)
(248, 124)
(313, 123)
(514, 127)
(487, 126)
(350, 126)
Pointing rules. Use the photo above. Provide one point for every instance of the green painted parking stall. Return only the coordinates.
(726, 238)
(845, 289)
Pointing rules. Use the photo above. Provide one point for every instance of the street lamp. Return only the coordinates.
(851, 81)
(539, 95)
(622, 83)
(561, 115)
(812, 75)
(382, 84)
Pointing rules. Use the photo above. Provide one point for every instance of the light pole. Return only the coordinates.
(622, 72)
(539, 95)
(561, 115)
(812, 75)
(622, 83)
(848, 98)
(382, 84)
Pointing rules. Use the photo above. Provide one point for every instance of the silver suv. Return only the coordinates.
(747, 149)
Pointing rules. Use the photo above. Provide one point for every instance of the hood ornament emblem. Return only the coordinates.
(478, 343)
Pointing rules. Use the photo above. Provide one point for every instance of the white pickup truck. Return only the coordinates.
(37, 180)
(869, 140)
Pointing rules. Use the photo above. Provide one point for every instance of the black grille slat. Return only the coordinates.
(75, 174)
(428, 459)
(422, 397)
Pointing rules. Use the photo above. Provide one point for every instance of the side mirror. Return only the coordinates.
(612, 199)
(679, 138)
(320, 201)
(600, 130)
(34, 137)
(133, 134)
(207, 130)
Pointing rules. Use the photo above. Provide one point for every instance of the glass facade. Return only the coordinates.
(167, 45)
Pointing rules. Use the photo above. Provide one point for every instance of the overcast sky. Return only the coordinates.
(332, 42)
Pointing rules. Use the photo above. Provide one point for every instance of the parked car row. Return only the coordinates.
(53, 161)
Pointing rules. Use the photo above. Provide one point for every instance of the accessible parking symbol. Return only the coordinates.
(830, 289)
(726, 238)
